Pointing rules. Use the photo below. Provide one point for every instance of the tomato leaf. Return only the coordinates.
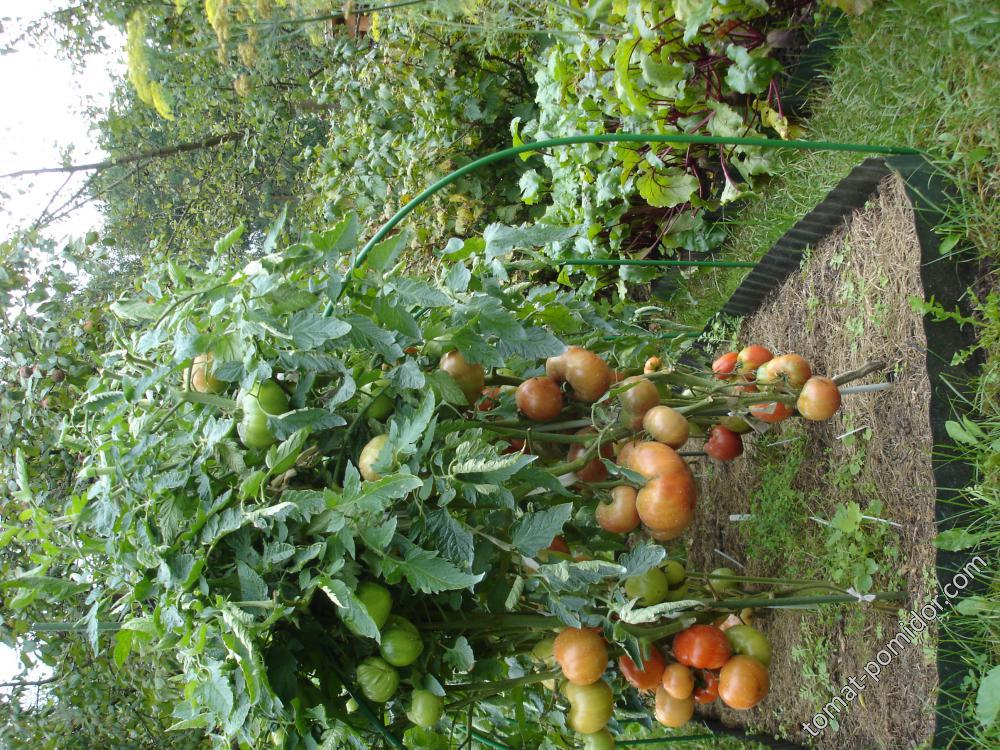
(534, 532)
(350, 609)
(642, 557)
(450, 536)
(460, 656)
(429, 573)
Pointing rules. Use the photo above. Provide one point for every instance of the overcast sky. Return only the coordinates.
(42, 114)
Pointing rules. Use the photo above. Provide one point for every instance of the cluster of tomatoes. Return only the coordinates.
(754, 369)
(400, 644)
(727, 662)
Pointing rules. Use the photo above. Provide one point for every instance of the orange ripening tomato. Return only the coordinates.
(620, 515)
(469, 376)
(678, 681)
(673, 712)
(788, 368)
(640, 398)
(743, 682)
(702, 647)
(559, 545)
(725, 365)
(653, 364)
(582, 655)
(666, 503)
(490, 399)
(667, 426)
(750, 358)
(819, 399)
(649, 676)
(651, 459)
(771, 412)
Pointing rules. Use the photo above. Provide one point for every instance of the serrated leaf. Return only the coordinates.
(378, 538)
(252, 586)
(534, 532)
(407, 375)
(640, 615)
(350, 610)
(417, 292)
(576, 576)
(501, 239)
(445, 388)
(428, 573)
(451, 537)
(310, 331)
(460, 656)
(642, 557)
(514, 596)
(250, 485)
(225, 243)
(280, 458)
(310, 420)
(385, 253)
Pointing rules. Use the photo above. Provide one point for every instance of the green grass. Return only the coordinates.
(921, 74)
(910, 73)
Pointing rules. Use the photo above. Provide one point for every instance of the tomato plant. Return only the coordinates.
(702, 647)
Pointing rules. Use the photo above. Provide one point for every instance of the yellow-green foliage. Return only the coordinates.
(150, 91)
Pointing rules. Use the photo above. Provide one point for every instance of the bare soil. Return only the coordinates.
(848, 305)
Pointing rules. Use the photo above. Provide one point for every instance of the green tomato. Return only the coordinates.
(544, 650)
(721, 585)
(590, 707)
(351, 706)
(749, 641)
(599, 741)
(377, 600)
(378, 681)
(676, 594)
(253, 429)
(675, 572)
(401, 643)
(736, 424)
(425, 708)
(650, 587)
(268, 397)
(382, 406)
(279, 737)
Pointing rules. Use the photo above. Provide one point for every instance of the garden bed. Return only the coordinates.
(847, 305)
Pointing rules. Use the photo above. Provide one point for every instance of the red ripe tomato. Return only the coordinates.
(539, 399)
(702, 647)
(666, 503)
(725, 366)
(559, 545)
(788, 368)
(514, 445)
(620, 515)
(723, 444)
(819, 399)
(490, 399)
(582, 655)
(673, 712)
(649, 676)
(652, 459)
(708, 692)
(750, 358)
(678, 681)
(743, 682)
(771, 412)
(594, 471)
(653, 364)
